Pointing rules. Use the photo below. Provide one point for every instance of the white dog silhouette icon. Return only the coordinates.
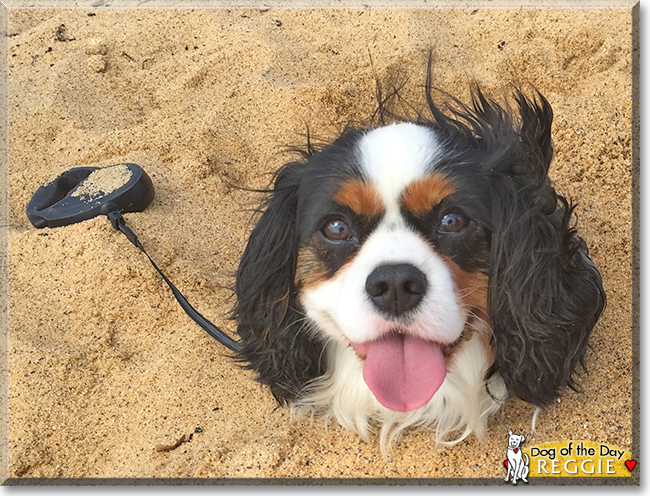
(517, 460)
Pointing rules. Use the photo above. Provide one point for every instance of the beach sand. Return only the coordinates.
(105, 369)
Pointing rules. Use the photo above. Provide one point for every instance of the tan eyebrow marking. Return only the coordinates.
(423, 194)
(361, 197)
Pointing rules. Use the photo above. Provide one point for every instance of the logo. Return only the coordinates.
(516, 460)
(565, 459)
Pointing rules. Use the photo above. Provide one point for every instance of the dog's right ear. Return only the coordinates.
(267, 310)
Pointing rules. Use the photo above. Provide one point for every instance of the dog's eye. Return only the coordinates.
(452, 222)
(336, 229)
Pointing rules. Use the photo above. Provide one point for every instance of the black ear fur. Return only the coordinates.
(270, 322)
(545, 293)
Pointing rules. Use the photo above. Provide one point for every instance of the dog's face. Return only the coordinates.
(402, 267)
(392, 258)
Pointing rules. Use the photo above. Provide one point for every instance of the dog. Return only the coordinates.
(419, 272)
(517, 460)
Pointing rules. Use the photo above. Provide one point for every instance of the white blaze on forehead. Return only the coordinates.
(394, 156)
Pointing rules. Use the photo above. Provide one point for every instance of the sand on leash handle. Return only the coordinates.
(103, 182)
(81, 193)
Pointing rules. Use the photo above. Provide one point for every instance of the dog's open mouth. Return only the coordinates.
(402, 371)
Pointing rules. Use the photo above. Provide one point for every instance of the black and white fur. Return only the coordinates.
(544, 294)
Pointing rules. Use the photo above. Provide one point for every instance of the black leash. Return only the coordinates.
(79, 194)
(118, 223)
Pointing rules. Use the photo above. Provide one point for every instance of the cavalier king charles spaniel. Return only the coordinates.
(419, 273)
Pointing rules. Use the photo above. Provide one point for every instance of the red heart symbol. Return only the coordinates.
(630, 464)
(516, 450)
(505, 462)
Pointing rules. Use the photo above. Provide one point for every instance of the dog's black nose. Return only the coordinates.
(394, 289)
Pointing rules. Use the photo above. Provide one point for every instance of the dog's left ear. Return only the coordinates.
(545, 292)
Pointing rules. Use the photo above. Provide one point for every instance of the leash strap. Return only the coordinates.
(118, 224)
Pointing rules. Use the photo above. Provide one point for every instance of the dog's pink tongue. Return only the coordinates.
(402, 371)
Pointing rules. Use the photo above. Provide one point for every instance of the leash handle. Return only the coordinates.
(118, 224)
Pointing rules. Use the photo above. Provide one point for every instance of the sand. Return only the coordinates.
(102, 182)
(104, 368)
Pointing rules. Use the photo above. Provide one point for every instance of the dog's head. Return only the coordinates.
(399, 240)
(514, 440)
